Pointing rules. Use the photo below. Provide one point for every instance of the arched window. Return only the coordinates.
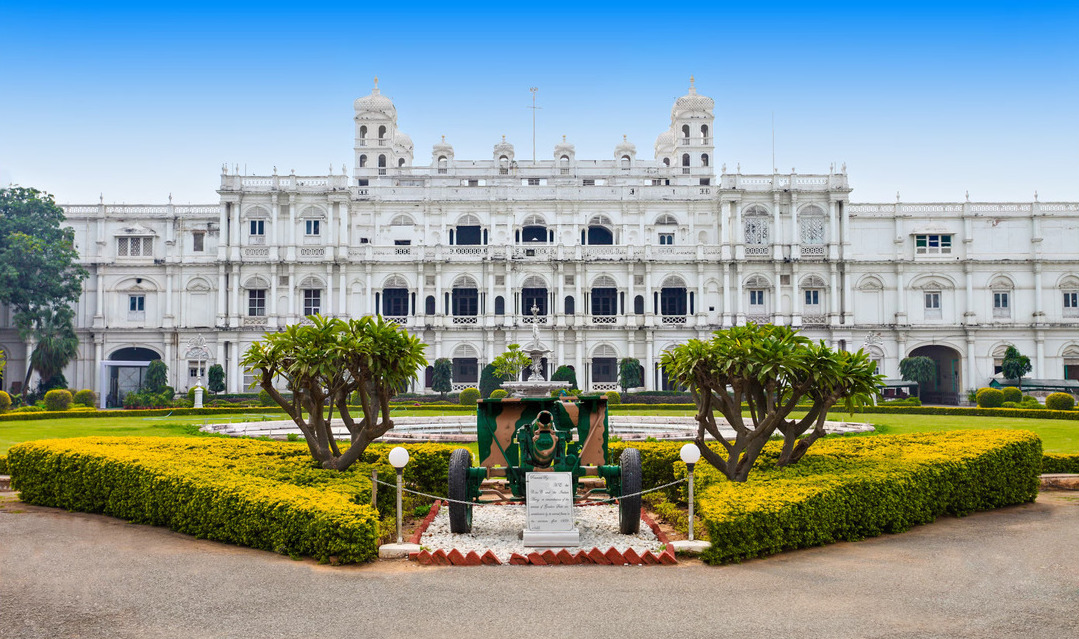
(638, 305)
(465, 297)
(363, 161)
(469, 232)
(395, 297)
(672, 297)
(685, 132)
(400, 161)
(666, 161)
(382, 161)
(756, 226)
(625, 162)
(685, 159)
(570, 307)
(534, 229)
(600, 231)
(381, 132)
(704, 159)
(666, 220)
(604, 296)
(811, 223)
(604, 365)
(363, 131)
(466, 369)
(500, 305)
(443, 163)
(533, 293)
(704, 132)
(429, 305)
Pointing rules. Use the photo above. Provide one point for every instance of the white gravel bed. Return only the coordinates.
(496, 528)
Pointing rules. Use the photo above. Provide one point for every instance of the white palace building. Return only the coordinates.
(622, 257)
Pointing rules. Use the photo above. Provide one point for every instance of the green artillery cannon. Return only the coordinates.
(517, 436)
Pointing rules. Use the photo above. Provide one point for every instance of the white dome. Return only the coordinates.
(625, 148)
(402, 140)
(665, 143)
(375, 103)
(564, 148)
(692, 103)
(442, 148)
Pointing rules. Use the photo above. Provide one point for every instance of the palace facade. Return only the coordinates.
(618, 257)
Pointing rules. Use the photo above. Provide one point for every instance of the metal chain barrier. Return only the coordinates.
(474, 503)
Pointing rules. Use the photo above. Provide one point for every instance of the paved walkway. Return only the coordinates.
(1008, 573)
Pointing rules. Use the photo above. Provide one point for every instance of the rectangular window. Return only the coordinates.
(932, 305)
(588, 182)
(134, 246)
(666, 239)
(756, 297)
(258, 227)
(256, 302)
(395, 302)
(312, 227)
(1071, 303)
(402, 242)
(198, 241)
(812, 298)
(932, 244)
(196, 369)
(136, 303)
(604, 301)
(312, 301)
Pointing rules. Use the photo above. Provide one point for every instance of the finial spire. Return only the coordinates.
(1035, 196)
(375, 90)
(692, 85)
(443, 139)
(968, 195)
(563, 137)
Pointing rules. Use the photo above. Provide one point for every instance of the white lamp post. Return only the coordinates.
(398, 459)
(690, 454)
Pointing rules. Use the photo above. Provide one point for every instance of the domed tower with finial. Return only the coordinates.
(379, 144)
(688, 143)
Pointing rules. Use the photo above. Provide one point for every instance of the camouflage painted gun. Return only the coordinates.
(517, 436)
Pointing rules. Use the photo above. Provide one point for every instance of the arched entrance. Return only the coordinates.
(949, 382)
(127, 373)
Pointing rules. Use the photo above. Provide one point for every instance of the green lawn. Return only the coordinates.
(1058, 436)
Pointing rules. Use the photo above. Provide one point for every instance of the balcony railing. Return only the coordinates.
(674, 319)
(465, 319)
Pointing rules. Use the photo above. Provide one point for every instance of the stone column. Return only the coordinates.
(290, 251)
(726, 295)
(222, 290)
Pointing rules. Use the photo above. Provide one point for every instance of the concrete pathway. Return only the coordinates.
(1008, 573)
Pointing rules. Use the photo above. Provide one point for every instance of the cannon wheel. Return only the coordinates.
(629, 508)
(460, 514)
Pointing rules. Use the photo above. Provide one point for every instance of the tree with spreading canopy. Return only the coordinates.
(919, 369)
(629, 373)
(772, 369)
(509, 365)
(324, 363)
(1015, 365)
(442, 376)
(40, 277)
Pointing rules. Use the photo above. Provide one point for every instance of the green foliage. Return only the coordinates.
(919, 369)
(215, 379)
(613, 397)
(30, 408)
(629, 373)
(990, 398)
(565, 374)
(258, 494)
(772, 369)
(508, 365)
(58, 399)
(442, 376)
(157, 376)
(265, 399)
(326, 362)
(86, 397)
(1060, 401)
(5, 401)
(3, 465)
(499, 393)
(1015, 365)
(906, 401)
(1010, 405)
(489, 381)
(1055, 463)
(469, 396)
(858, 487)
(1012, 394)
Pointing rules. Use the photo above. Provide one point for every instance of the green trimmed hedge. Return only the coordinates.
(1057, 463)
(266, 495)
(3, 465)
(857, 487)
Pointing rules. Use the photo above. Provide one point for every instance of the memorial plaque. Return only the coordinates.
(549, 510)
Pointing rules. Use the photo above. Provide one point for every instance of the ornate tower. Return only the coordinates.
(380, 146)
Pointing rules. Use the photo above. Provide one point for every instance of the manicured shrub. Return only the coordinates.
(5, 401)
(469, 396)
(1057, 463)
(856, 487)
(613, 397)
(1010, 405)
(264, 495)
(990, 398)
(565, 374)
(58, 399)
(86, 397)
(264, 399)
(1060, 401)
(3, 465)
(1012, 394)
(29, 408)
(499, 393)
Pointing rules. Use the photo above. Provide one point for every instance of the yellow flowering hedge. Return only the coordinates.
(262, 494)
(857, 487)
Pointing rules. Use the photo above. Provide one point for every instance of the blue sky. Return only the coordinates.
(139, 100)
